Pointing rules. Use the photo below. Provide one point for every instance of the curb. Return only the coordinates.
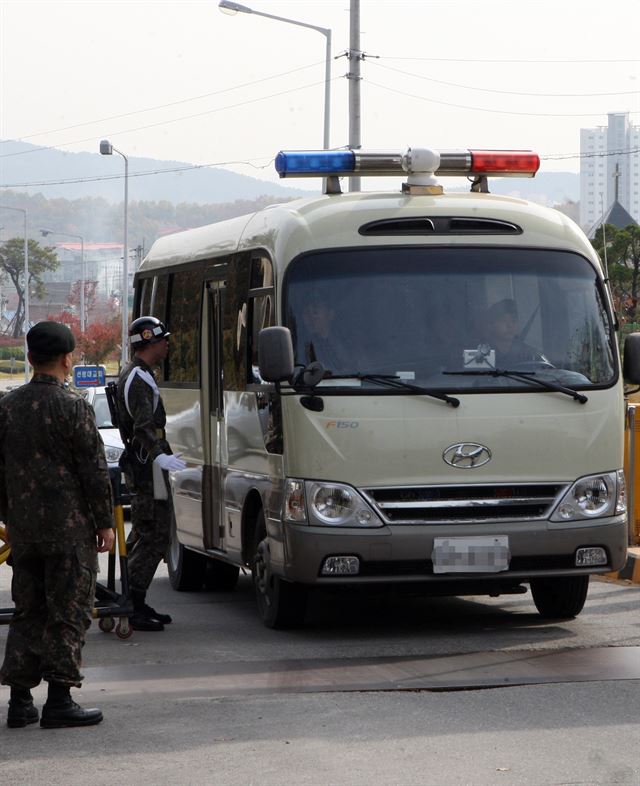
(631, 571)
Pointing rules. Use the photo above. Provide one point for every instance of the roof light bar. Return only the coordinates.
(321, 163)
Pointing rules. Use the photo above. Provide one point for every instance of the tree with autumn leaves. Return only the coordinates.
(100, 340)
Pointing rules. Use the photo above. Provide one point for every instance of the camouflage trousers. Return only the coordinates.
(53, 589)
(148, 541)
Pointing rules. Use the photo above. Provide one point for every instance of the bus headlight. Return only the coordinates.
(594, 496)
(338, 505)
(327, 505)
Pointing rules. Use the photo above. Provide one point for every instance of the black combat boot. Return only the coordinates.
(61, 710)
(165, 619)
(142, 618)
(21, 709)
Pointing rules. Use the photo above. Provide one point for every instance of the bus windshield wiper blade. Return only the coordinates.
(525, 376)
(394, 381)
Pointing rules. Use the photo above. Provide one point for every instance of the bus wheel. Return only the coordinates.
(281, 604)
(186, 568)
(220, 575)
(560, 597)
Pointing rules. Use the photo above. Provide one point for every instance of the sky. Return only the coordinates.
(181, 81)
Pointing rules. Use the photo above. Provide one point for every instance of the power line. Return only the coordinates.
(490, 60)
(143, 173)
(38, 148)
(501, 92)
(166, 106)
(600, 154)
(482, 109)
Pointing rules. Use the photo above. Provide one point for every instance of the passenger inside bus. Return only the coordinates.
(503, 334)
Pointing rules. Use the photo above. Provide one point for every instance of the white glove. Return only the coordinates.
(170, 462)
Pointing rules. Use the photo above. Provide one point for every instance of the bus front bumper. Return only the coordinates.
(403, 553)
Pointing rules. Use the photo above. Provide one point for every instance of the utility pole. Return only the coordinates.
(354, 56)
(139, 250)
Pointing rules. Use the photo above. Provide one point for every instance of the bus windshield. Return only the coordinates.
(448, 318)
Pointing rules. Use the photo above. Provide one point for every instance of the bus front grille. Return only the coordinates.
(465, 504)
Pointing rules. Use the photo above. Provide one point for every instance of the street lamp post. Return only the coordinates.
(26, 286)
(83, 282)
(229, 7)
(107, 149)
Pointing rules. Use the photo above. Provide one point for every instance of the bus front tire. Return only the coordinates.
(560, 597)
(282, 604)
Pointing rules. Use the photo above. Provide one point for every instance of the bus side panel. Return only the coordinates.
(250, 470)
(184, 432)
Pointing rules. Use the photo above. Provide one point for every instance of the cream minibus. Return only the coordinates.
(380, 388)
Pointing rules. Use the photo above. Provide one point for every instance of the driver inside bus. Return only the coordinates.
(503, 335)
(321, 335)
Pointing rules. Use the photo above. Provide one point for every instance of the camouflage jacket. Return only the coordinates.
(141, 417)
(54, 481)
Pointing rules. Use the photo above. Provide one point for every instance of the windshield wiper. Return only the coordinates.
(394, 381)
(524, 376)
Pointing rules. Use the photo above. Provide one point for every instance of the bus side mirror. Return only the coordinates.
(631, 360)
(275, 354)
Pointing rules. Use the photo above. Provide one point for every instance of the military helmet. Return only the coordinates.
(146, 330)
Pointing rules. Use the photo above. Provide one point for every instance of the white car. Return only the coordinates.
(113, 447)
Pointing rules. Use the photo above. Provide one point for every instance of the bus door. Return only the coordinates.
(212, 404)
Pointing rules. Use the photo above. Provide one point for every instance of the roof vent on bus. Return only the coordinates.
(440, 225)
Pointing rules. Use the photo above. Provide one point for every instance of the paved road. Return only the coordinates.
(369, 692)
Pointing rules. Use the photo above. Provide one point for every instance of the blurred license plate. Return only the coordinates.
(471, 555)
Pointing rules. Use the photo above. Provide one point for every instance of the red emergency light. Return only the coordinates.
(504, 162)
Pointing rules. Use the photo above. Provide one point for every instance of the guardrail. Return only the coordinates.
(632, 470)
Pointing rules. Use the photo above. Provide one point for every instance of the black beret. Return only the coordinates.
(50, 338)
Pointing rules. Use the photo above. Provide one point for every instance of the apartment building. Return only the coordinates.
(609, 169)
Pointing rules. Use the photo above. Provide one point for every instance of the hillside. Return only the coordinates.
(94, 175)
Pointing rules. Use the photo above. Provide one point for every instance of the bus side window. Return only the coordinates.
(260, 312)
(234, 340)
(184, 324)
(144, 302)
(158, 288)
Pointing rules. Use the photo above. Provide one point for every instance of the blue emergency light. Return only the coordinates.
(316, 162)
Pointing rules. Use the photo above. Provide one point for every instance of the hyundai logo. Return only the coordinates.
(466, 455)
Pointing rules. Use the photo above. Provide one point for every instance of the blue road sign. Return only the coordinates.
(89, 376)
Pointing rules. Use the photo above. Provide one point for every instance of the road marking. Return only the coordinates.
(452, 672)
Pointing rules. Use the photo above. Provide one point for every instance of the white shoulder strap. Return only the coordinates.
(146, 377)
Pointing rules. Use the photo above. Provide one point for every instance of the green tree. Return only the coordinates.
(623, 263)
(41, 259)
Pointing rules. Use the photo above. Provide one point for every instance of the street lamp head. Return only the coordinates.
(106, 148)
(45, 232)
(227, 7)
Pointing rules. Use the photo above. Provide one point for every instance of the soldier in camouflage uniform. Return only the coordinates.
(145, 462)
(56, 501)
